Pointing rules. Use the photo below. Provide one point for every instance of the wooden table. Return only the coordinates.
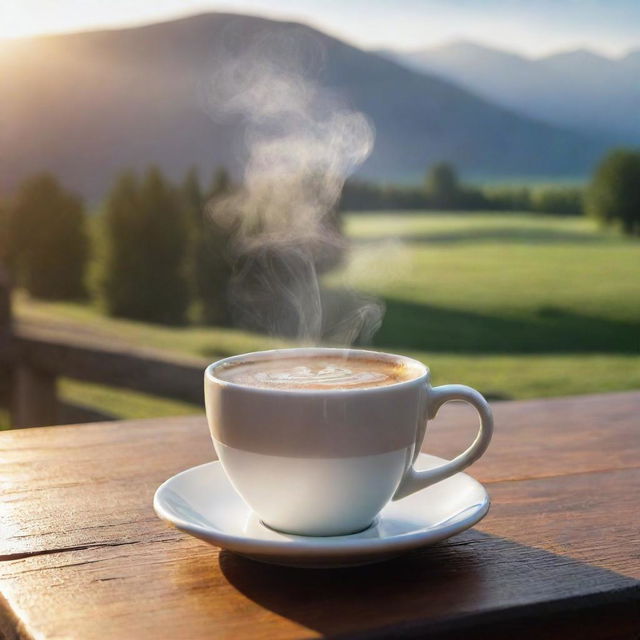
(82, 554)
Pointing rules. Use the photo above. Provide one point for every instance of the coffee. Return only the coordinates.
(317, 441)
(317, 372)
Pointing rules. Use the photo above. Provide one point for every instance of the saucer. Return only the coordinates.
(201, 502)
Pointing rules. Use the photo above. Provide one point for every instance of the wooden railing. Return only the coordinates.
(33, 355)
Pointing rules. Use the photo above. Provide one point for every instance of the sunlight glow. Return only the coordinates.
(14, 23)
(533, 28)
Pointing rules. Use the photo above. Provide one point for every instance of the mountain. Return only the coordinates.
(631, 62)
(88, 105)
(578, 89)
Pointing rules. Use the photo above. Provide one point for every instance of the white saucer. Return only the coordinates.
(201, 502)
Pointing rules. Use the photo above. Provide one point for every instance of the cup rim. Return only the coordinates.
(423, 377)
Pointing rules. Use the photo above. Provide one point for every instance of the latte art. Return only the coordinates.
(331, 376)
(316, 372)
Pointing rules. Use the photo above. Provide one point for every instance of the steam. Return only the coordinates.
(302, 142)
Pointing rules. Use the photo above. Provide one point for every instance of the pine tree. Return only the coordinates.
(123, 267)
(193, 201)
(47, 239)
(212, 261)
(144, 271)
(192, 197)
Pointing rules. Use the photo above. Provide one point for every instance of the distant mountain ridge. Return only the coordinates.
(579, 89)
(88, 105)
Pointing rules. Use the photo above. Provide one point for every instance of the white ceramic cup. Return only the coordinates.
(319, 462)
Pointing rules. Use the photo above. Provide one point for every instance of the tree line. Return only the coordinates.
(156, 256)
(159, 258)
(443, 190)
(612, 196)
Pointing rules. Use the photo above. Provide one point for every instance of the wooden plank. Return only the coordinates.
(608, 622)
(589, 517)
(102, 474)
(83, 555)
(105, 454)
(154, 582)
(46, 351)
(114, 364)
(535, 438)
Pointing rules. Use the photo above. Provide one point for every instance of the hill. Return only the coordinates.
(87, 105)
(579, 89)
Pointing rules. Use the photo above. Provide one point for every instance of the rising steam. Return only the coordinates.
(301, 142)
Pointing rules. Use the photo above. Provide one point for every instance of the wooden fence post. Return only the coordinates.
(33, 355)
(5, 309)
(5, 338)
(29, 393)
(35, 401)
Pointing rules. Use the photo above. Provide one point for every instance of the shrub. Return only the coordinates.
(566, 201)
(509, 198)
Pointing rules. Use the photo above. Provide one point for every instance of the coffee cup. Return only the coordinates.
(317, 440)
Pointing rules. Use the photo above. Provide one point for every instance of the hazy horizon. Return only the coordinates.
(607, 28)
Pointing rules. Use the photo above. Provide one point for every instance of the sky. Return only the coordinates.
(531, 27)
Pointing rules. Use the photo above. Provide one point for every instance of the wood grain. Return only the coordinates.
(82, 554)
(537, 438)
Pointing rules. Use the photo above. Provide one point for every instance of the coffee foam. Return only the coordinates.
(316, 372)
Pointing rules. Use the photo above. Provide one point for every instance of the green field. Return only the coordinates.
(516, 305)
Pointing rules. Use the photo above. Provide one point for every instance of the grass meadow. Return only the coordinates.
(516, 305)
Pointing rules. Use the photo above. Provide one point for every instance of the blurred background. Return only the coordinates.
(489, 224)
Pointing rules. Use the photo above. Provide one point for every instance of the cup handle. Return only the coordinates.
(437, 396)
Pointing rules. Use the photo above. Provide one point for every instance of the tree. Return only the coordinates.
(212, 260)
(192, 197)
(48, 241)
(614, 192)
(123, 267)
(144, 269)
(442, 186)
(192, 200)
